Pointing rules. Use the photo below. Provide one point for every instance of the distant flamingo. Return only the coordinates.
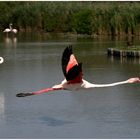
(10, 29)
(73, 73)
(7, 30)
(1, 60)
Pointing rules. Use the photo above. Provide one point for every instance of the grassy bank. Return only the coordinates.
(92, 18)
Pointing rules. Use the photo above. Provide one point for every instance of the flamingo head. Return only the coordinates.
(134, 80)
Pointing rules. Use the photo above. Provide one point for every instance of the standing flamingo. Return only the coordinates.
(73, 77)
(10, 29)
(1, 60)
(7, 30)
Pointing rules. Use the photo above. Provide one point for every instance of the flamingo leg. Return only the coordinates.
(37, 92)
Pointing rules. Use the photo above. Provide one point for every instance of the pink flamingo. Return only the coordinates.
(74, 77)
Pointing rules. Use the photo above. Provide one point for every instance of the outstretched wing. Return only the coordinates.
(71, 68)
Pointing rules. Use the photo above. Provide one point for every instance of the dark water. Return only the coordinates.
(34, 62)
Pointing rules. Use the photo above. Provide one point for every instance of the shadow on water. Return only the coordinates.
(51, 121)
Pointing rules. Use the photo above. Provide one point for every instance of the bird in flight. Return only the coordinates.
(72, 71)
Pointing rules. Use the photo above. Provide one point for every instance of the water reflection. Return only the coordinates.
(2, 105)
(10, 41)
(36, 63)
(125, 59)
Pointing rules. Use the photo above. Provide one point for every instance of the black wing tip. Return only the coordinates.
(68, 49)
(66, 54)
(80, 66)
(69, 46)
(65, 60)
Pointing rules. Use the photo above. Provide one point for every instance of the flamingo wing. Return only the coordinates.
(71, 68)
(7, 30)
(15, 31)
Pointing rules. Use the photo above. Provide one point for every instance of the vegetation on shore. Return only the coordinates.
(96, 18)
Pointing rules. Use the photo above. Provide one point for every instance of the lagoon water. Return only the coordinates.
(33, 62)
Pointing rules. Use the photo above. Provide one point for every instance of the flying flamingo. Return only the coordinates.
(73, 77)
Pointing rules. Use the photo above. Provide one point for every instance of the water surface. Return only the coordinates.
(32, 63)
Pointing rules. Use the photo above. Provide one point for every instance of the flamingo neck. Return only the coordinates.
(10, 26)
(90, 85)
(110, 85)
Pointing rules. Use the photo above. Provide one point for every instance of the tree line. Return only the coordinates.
(81, 17)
